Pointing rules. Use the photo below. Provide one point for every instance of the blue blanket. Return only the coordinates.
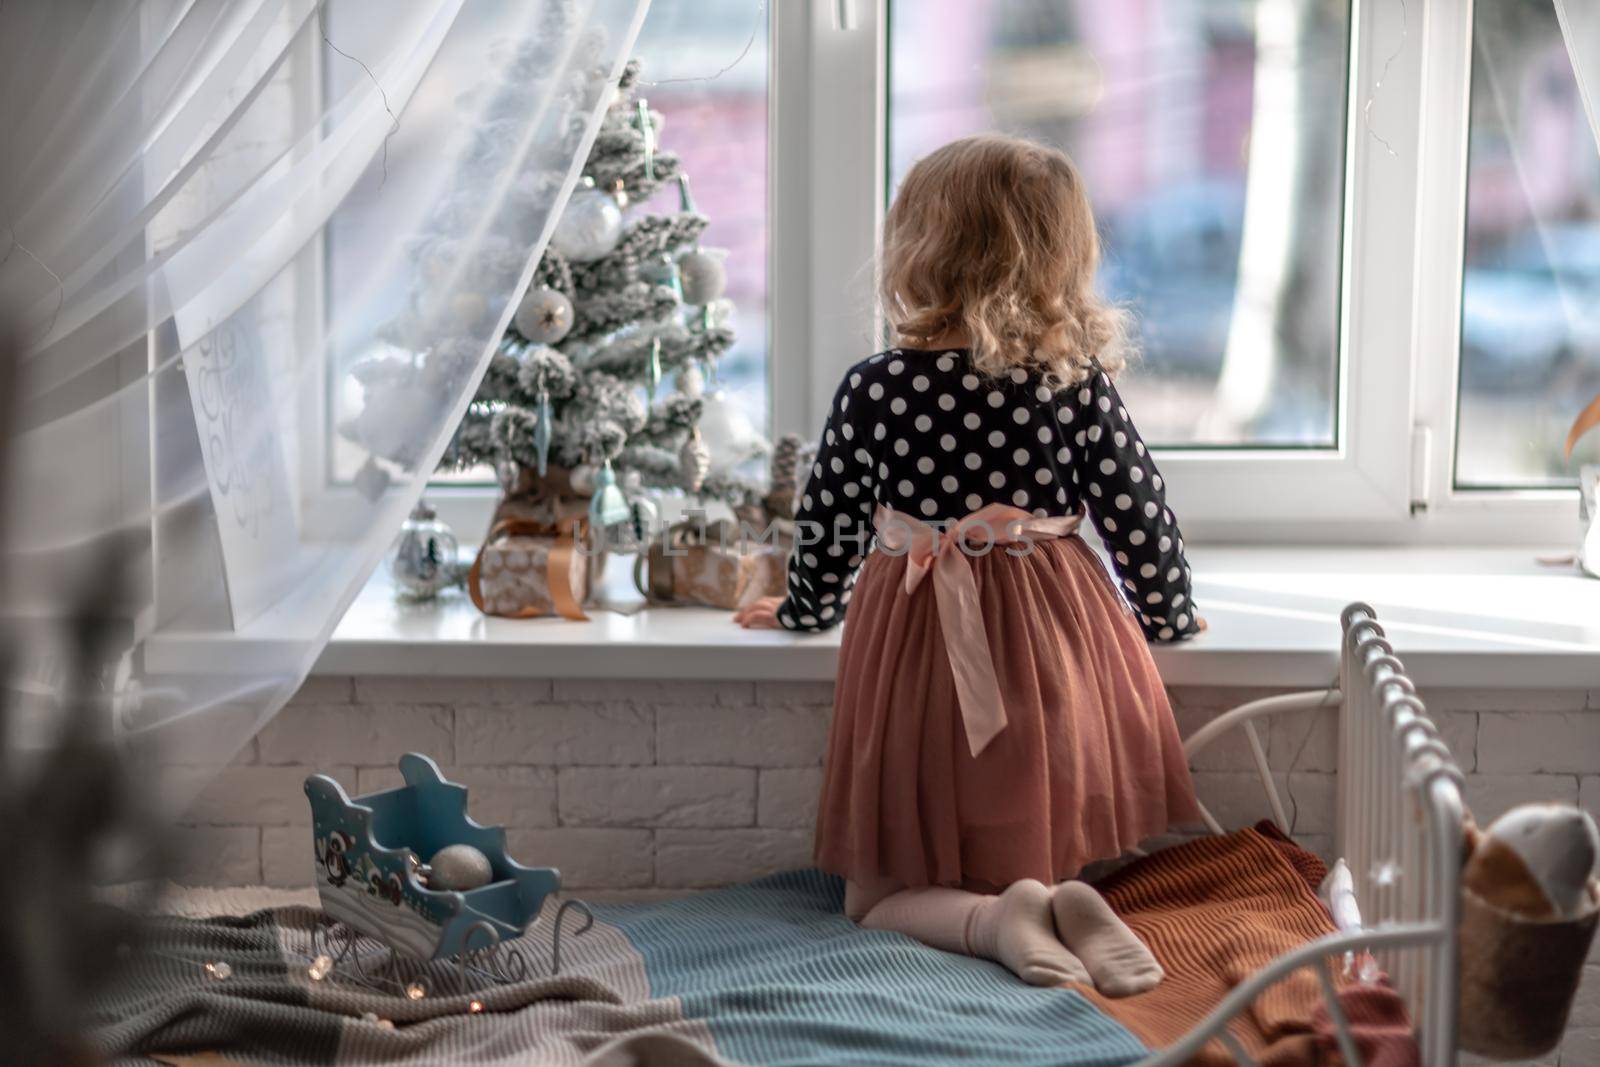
(780, 976)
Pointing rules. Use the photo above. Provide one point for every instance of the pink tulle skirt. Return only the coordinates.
(1089, 762)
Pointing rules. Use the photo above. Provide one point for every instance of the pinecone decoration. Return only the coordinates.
(694, 459)
(785, 467)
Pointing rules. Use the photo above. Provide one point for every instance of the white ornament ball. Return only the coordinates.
(467, 309)
(589, 228)
(704, 277)
(544, 316)
(583, 479)
(691, 380)
(459, 868)
(729, 436)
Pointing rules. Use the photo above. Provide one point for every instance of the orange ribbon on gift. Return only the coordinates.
(558, 565)
(966, 640)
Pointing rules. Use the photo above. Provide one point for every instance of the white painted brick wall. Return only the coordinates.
(559, 761)
(606, 735)
(653, 788)
(786, 797)
(756, 735)
(658, 796)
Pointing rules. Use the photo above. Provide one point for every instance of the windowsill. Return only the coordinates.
(1459, 617)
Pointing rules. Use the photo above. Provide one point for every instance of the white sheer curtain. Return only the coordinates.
(1580, 28)
(210, 213)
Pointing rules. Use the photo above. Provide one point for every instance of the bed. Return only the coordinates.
(772, 973)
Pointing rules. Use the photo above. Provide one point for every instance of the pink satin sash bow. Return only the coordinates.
(966, 640)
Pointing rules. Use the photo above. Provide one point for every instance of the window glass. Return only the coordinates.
(1530, 299)
(704, 68)
(1211, 137)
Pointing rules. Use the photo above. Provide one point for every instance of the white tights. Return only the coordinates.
(1045, 937)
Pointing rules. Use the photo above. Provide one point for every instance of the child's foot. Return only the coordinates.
(1118, 961)
(1015, 929)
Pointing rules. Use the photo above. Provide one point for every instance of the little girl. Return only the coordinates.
(998, 722)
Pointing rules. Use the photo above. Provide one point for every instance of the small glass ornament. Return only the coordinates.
(619, 193)
(543, 430)
(371, 480)
(663, 269)
(459, 868)
(702, 276)
(691, 379)
(658, 269)
(607, 507)
(424, 559)
(685, 198)
(320, 968)
(416, 991)
(544, 316)
(647, 131)
(590, 226)
(655, 366)
(694, 461)
(219, 970)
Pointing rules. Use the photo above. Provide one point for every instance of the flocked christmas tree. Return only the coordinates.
(608, 369)
(604, 384)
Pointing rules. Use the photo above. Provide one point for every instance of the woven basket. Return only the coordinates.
(1518, 976)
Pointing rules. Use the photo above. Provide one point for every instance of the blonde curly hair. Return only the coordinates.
(993, 237)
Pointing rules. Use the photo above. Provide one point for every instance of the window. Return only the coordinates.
(1211, 138)
(1530, 296)
(1362, 246)
(1283, 189)
(1254, 165)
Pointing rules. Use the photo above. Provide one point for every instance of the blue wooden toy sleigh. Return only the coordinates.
(369, 850)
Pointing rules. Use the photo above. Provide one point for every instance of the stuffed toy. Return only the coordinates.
(1536, 861)
(1529, 905)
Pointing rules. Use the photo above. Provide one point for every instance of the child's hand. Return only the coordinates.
(759, 614)
(1201, 625)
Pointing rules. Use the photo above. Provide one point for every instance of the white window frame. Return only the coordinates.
(1390, 477)
(1454, 514)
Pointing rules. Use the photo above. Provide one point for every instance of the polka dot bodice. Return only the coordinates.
(924, 433)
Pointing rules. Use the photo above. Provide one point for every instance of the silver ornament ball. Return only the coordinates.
(589, 228)
(544, 316)
(459, 868)
(424, 560)
(704, 277)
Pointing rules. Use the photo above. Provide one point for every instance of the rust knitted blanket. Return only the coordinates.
(1216, 910)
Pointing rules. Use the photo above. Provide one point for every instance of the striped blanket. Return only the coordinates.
(766, 973)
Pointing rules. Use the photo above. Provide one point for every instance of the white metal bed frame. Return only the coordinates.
(1399, 830)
